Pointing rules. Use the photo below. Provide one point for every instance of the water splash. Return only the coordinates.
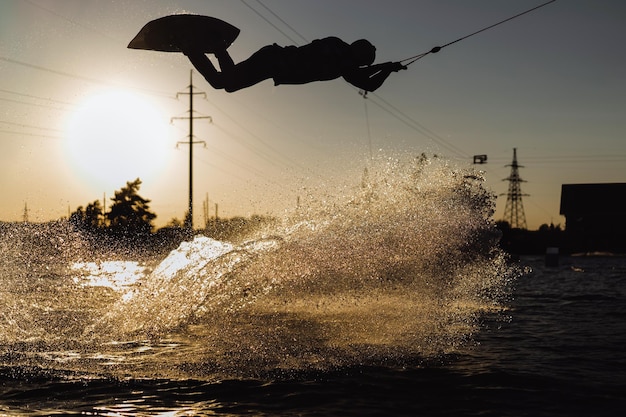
(116, 275)
(400, 267)
(180, 286)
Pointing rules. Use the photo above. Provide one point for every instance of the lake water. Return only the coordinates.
(393, 301)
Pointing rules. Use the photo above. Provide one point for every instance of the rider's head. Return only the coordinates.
(363, 52)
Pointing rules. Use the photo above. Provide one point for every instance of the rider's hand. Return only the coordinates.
(397, 66)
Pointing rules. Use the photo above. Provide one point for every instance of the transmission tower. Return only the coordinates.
(25, 215)
(514, 209)
(191, 142)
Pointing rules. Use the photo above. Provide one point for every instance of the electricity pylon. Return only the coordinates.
(514, 209)
(191, 142)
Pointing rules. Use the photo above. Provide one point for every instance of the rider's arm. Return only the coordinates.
(372, 77)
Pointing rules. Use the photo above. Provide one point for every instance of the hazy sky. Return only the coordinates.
(551, 83)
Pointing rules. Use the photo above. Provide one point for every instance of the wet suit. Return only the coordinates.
(321, 60)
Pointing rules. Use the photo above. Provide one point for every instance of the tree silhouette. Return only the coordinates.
(129, 214)
(89, 219)
(77, 218)
(94, 215)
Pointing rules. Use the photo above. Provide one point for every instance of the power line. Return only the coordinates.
(289, 162)
(258, 152)
(234, 161)
(29, 126)
(439, 48)
(53, 71)
(8, 100)
(89, 28)
(31, 134)
(210, 164)
(270, 23)
(282, 21)
(66, 74)
(65, 103)
(83, 78)
(413, 124)
(565, 159)
(395, 112)
(286, 161)
(578, 158)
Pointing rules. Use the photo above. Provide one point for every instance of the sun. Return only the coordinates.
(115, 137)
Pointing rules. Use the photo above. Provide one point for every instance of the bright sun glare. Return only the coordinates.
(115, 137)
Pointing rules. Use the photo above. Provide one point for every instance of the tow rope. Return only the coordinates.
(439, 48)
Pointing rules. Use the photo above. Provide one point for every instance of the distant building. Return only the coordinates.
(595, 216)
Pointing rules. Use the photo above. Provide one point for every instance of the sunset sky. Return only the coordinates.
(551, 83)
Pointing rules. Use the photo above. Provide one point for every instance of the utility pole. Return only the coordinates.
(191, 142)
(25, 215)
(205, 211)
(514, 209)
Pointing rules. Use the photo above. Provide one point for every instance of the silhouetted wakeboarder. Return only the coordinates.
(321, 60)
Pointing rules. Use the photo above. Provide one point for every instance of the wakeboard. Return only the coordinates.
(175, 32)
